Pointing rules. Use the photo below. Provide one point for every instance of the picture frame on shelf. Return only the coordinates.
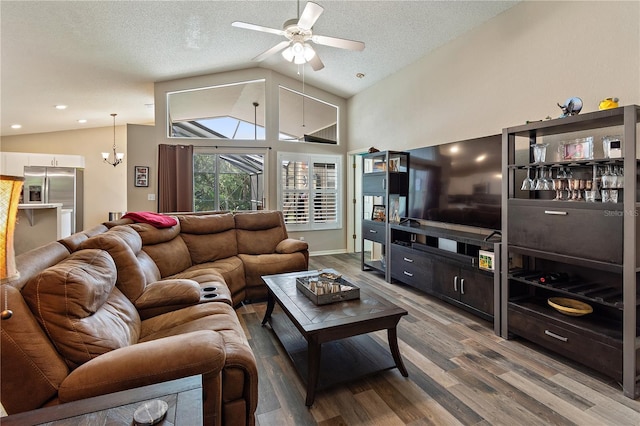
(579, 149)
(141, 176)
(379, 213)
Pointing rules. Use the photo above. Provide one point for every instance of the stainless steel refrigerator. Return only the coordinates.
(43, 185)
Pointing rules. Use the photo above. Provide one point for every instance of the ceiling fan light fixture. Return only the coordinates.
(309, 53)
(287, 54)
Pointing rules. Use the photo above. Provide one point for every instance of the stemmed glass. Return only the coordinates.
(527, 183)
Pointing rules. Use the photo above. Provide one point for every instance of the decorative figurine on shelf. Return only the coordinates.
(608, 103)
(373, 149)
(572, 106)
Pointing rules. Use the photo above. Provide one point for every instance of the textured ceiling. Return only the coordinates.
(100, 57)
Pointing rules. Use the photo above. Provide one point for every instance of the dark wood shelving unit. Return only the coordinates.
(385, 186)
(592, 248)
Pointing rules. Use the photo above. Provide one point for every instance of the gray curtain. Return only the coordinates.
(175, 178)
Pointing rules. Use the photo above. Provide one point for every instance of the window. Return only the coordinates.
(310, 191)
(230, 111)
(306, 119)
(227, 181)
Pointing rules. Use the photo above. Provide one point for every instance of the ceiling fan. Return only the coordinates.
(298, 33)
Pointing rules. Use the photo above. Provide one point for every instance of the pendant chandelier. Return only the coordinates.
(117, 156)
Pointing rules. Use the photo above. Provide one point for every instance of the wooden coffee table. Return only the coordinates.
(329, 323)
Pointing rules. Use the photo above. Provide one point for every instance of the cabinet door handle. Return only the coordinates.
(373, 231)
(455, 283)
(555, 212)
(556, 336)
(409, 274)
(384, 183)
(407, 260)
(462, 286)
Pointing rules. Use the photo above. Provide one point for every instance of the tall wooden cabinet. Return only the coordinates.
(557, 244)
(385, 187)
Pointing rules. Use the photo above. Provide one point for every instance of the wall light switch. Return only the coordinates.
(151, 197)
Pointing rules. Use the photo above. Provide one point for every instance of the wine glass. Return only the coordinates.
(527, 183)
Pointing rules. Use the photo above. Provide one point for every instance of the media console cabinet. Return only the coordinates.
(444, 263)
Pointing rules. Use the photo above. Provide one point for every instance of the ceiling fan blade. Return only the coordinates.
(310, 15)
(254, 27)
(316, 63)
(275, 49)
(341, 43)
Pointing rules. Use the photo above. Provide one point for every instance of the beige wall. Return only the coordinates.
(512, 69)
(104, 185)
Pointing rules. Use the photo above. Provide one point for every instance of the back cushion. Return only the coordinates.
(209, 237)
(78, 306)
(259, 232)
(165, 246)
(123, 243)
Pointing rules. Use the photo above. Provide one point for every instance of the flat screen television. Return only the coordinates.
(458, 183)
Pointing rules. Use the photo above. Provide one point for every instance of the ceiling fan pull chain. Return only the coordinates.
(303, 95)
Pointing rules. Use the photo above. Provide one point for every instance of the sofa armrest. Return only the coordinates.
(169, 292)
(290, 245)
(199, 352)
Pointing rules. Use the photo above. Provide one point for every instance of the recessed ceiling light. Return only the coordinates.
(16, 126)
(480, 158)
(61, 107)
(82, 121)
(454, 149)
(360, 75)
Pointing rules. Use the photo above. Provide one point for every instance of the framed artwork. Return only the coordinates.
(580, 149)
(379, 213)
(141, 176)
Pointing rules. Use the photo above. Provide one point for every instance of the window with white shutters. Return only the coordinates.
(309, 191)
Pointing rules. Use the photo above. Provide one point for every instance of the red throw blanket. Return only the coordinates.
(156, 219)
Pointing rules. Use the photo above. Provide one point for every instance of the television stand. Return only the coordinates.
(444, 263)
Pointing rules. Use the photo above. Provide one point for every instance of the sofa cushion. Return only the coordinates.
(230, 269)
(209, 237)
(122, 247)
(259, 232)
(78, 306)
(165, 246)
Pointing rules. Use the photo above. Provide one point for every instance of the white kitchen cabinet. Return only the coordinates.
(56, 160)
(13, 163)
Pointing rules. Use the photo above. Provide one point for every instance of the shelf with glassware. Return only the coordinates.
(385, 187)
(570, 244)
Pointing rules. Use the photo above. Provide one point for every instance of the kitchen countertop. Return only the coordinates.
(26, 206)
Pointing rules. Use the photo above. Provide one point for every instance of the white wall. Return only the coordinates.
(105, 186)
(514, 68)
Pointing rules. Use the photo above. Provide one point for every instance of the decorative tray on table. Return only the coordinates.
(325, 287)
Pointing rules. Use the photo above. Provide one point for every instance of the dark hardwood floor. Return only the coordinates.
(460, 373)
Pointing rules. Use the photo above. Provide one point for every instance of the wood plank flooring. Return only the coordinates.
(460, 373)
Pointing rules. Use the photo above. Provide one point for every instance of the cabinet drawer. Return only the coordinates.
(594, 234)
(411, 267)
(378, 183)
(373, 231)
(567, 340)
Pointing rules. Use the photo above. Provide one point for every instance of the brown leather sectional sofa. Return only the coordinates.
(125, 304)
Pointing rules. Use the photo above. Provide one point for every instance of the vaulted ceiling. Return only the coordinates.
(99, 57)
